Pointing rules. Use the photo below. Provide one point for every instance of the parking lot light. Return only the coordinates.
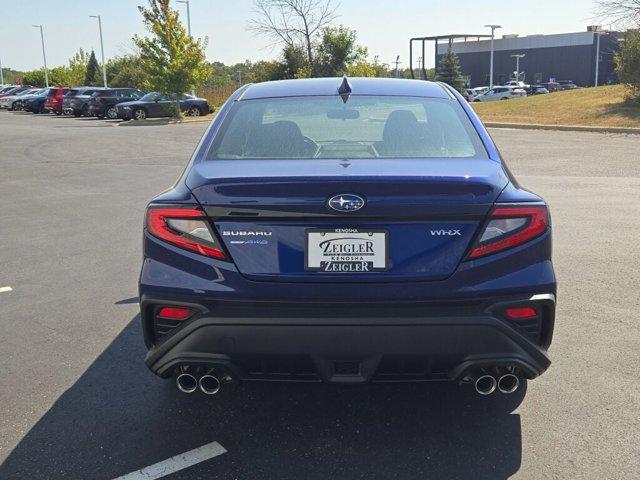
(104, 65)
(493, 34)
(186, 2)
(44, 57)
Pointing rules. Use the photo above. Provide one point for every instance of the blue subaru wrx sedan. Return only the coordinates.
(347, 230)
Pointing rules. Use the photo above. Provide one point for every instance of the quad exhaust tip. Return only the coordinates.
(209, 384)
(187, 383)
(508, 383)
(486, 384)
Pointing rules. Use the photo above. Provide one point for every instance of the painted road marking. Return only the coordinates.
(5, 289)
(177, 463)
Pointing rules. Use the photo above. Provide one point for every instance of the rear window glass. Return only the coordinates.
(363, 127)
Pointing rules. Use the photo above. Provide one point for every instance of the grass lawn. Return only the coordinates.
(600, 107)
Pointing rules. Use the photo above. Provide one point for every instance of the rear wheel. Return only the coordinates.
(139, 114)
(111, 112)
(194, 112)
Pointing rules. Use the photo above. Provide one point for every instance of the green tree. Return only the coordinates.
(77, 68)
(173, 61)
(627, 62)
(92, 74)
(126, 71)
(337, 51)
(294, 63)
(449, 71)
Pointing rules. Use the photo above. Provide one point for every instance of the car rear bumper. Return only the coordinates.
(352, 349)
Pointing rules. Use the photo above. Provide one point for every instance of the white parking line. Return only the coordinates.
(5, 289)
(177, 463)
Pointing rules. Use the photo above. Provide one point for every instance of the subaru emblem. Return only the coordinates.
(346, 202)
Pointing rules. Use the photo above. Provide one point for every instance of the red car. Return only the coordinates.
(53, 102)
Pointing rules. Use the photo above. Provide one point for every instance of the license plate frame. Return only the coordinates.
(346, 262)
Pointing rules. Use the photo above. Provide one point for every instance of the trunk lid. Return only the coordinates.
(428, 211)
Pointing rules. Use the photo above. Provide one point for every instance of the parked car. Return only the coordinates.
(53, 102)
(567, 85)
(6, 88)
(103, 103)
(516, 84)
(536, 90)
(551, 86)
(35, 103)
(156, 104)
(76, 101)
(501, 93)
(13, 102)
(15, 90)
(307, 240)
(472, 93)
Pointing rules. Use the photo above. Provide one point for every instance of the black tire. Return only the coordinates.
(85, 111)
(194, 111)
(111, 112)
(58, 113)
(77, 114)
(139, 114)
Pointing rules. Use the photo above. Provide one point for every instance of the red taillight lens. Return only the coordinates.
(175, 313)
(520, 313)
(510, 226)
(184, 227)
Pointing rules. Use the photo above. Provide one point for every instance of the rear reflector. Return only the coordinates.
(510, 226)
(519, 313)
(184, 227)
(174, 313)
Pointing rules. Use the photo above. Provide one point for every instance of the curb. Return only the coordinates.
(165, 121)
(563, 128)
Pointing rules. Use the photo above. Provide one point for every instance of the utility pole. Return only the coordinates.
(186, 2)
(1, 73)
(397, 62)
(598, 34)
(518, 57)
(44, 56)
(493, 34)
(104, 65)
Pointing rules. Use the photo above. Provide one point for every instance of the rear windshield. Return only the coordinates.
(363, 127)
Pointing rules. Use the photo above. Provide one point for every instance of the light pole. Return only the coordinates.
(493, 34)
(104, 65)
(44, 57)
(1, 73)
(518, 57)
(595, 83)
(186, 2)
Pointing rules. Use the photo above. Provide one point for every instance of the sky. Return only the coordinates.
(384, 26)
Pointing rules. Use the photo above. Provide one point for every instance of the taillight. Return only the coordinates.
(520, 313)
(174, 313)
(510, 226)
(184, 227)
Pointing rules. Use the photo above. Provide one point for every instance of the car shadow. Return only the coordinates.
(118, 417)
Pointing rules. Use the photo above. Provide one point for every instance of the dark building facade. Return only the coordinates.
(567, 56)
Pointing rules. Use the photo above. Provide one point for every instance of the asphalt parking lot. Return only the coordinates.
(77, 402)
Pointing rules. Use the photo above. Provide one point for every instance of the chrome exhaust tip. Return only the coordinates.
(508, 383)
(485, 384)
(209, 384)
(186, 383)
